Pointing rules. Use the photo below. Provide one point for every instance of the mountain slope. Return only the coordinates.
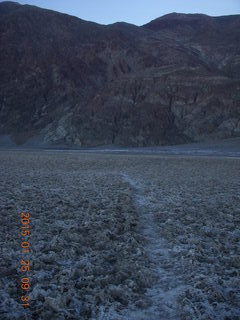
(65, 80)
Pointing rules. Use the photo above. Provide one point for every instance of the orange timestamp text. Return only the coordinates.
(25, 265)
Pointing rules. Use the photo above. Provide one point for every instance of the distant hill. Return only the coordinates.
(64, 80)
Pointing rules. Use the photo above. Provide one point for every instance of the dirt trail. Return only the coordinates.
(167, 287)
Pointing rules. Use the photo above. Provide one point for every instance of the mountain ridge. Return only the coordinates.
(69, 81)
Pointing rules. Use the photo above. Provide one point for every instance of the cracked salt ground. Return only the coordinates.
(163, 294)
(117, 237)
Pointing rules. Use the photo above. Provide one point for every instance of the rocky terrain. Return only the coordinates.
(67, 81)
(121, 237)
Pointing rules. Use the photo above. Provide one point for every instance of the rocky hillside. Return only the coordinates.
(64, 80)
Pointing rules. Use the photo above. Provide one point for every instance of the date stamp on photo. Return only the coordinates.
(25, 265)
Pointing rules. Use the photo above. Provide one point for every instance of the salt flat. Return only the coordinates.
(121, 236)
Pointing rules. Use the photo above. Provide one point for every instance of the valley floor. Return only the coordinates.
(121, 236)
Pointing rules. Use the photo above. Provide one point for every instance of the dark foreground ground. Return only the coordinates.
(121, 236)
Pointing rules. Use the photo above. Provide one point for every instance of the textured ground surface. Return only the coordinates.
(144, 237)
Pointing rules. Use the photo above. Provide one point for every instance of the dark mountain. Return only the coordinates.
(69, 81)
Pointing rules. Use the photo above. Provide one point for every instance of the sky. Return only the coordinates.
(137, 12)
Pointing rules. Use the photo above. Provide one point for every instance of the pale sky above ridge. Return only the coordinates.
(137, 12)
